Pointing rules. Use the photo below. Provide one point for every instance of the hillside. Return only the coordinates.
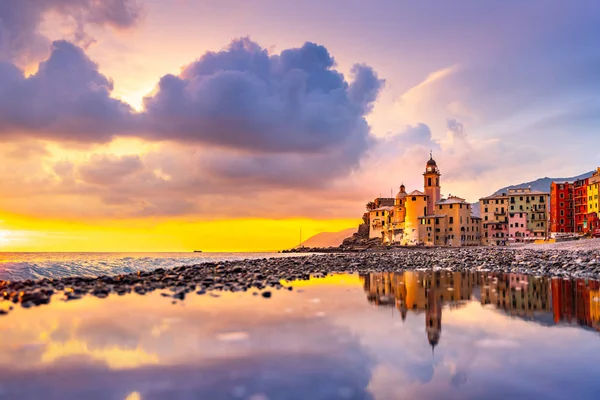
(541, 184)
(328, 239)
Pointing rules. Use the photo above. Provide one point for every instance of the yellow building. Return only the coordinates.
(379, 220)
(592, 192)
(425, 218)
(416, 205)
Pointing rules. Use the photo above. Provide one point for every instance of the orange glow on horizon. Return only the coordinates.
(24, 234)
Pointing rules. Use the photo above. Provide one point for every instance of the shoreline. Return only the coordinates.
(268, 273)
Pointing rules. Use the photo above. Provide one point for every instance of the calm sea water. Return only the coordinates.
(415, 335)
(16, 266)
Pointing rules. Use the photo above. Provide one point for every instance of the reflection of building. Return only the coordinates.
(542, 300)
(433, 316)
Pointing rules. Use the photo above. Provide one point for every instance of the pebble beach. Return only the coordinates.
(268, 275)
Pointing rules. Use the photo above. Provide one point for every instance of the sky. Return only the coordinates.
(171, 125)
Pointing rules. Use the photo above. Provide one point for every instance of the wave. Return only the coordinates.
(23, 266)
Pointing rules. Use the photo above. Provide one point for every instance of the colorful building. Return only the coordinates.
(379, 219)
(493, 212)
(516, 216)
(534, 205)
(593, 200)
(424, 217)
(574, 207)
(562, 212)
(580, 199)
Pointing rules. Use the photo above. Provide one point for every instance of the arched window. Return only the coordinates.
(437, 181)
(428, 181)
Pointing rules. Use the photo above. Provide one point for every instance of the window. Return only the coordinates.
(486, 209)
(414, 198)
(440, 206)
(485, 218)
(450, 205)
(428, 181)
(562, 195)
(562, 213)
(451, 220)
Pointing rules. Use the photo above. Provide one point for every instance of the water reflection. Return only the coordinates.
(543, 300)
(492, 336)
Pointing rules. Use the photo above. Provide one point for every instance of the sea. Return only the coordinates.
(22, 266)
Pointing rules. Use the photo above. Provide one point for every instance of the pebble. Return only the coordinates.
(260, 274)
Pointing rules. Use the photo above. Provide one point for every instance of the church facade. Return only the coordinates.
(425, 217)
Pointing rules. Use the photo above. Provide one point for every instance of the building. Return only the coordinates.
(451, 225)
(562, 212)
(574, 207)
(515, 216)
(379, 219)
(528, 214)
(593, 201)
(424, 217)
(494, 219)
(580, 197)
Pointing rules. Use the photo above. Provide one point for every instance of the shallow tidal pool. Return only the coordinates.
(412, 335)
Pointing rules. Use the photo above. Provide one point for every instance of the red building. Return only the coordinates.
(562, 212)
(580, 198)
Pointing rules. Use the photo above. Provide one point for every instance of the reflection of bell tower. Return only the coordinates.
(431, 184)
(433, 317)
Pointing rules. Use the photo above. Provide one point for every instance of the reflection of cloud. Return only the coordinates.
(114, 356)
(497, 343)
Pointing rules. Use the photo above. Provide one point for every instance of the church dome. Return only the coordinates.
(431, 163)
(402, 192)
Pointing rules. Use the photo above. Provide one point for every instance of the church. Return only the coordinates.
(424, 217)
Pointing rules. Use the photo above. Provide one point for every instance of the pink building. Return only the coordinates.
(517, 226)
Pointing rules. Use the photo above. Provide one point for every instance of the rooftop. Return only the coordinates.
(524, 191)
(495, 196)
(452, 200)
(384, 208)
(416, 193)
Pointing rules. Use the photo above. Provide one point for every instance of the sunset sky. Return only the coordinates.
(170, 125)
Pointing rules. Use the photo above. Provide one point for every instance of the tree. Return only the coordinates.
(371, 206)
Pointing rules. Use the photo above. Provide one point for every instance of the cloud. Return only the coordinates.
(21, 41)
(456, 130)
(104, 169)
(244, 98)
(66, 99)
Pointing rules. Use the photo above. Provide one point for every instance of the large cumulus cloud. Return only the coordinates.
(66, 99)
(242, 97)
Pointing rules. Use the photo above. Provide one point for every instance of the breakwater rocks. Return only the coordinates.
(266, 275)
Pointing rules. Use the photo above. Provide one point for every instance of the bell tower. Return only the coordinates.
(431, 184)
